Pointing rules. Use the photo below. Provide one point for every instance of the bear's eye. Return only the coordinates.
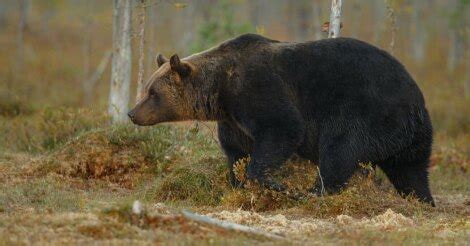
(152, 92)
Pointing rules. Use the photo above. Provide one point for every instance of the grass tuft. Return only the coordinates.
(12, 105)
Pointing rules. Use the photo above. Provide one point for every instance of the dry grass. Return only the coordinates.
(80, 191)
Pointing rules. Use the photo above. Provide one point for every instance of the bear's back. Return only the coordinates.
(245, 41)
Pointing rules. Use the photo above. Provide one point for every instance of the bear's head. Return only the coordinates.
(164, 99)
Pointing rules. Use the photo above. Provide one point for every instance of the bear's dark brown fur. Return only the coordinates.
(337, 102)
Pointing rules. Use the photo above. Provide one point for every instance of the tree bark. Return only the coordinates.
(121, 62)
(140, 77)
(335, 19)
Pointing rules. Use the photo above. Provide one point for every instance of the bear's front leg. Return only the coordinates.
(272, 148)
(236, 145)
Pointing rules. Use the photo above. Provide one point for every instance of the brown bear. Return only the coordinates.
(338, 102)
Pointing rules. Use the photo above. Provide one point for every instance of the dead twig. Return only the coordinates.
(229, 225)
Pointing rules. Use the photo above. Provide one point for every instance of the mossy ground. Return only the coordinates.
(63, 171)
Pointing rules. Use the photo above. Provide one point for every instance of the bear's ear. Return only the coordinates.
(160, 59)
(182, 68)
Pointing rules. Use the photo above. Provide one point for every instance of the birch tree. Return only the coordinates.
(335, 19)
(121, 62)
(140, 77)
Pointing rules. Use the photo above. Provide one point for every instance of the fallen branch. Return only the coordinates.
(229, 225)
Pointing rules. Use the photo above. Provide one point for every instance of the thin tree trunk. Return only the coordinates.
(3, 12)
(317, 20)
(379, 13)
(457, 33)
(255, 11)
(303, 20)
(418, 32)
(23, 8)
(151, 40)
(89, 83)
(392, 17)
(121, 62)
(356, 24)
(140, 77)
(87, 23)
(335, 19)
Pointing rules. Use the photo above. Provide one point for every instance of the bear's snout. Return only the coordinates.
(131, 114)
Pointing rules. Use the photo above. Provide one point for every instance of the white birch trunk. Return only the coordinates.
(335, 19)
(121, 62)
(140, 77)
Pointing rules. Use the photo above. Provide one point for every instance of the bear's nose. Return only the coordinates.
(131, 114)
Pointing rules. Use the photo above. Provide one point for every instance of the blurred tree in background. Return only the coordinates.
(50, 47)
(220, 25)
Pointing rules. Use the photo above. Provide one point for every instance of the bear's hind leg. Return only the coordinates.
(337, 164)
(408, 173)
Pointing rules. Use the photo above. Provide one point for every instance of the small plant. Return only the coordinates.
(239, 169)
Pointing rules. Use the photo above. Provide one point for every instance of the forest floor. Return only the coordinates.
(67, 178)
